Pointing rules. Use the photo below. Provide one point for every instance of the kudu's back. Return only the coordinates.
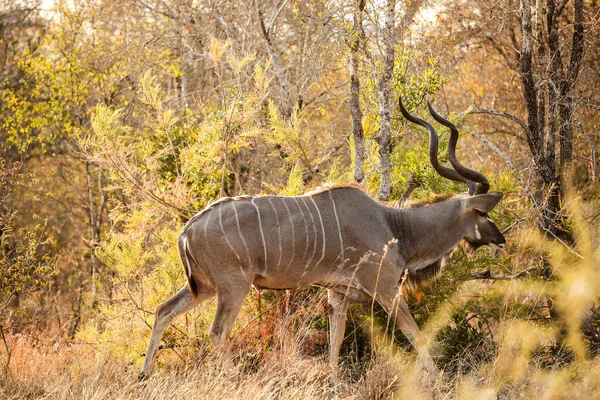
(281, 242)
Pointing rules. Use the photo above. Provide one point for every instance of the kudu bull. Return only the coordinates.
(337, 238)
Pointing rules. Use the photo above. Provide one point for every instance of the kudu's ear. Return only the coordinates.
(483, 202)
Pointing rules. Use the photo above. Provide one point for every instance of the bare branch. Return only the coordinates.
(502, 114)
(285, 84)
(7, 302)
(567, 246)
(156, 10)
(220, 20)
(577, 42)
(594, 217)
(276, 10)
(512, 225)
(487, 274)
(508, 162)
(334, 149)
(590, 142)
(6, 347)
(413, 183)
(123, 169)
(560, 8)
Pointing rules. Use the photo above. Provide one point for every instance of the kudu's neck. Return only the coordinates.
(427, 232)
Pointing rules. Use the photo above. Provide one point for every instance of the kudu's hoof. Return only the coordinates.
(142, 376)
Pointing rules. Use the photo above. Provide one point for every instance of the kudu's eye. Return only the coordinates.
(481, 213)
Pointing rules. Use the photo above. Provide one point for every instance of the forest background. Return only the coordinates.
(120, 119)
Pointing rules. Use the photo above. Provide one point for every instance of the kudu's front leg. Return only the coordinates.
(338, 309)
(398, 310)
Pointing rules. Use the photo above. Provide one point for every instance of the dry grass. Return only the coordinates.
(79, 372)
(289, 367)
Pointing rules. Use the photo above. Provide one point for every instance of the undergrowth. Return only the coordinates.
(492, 339)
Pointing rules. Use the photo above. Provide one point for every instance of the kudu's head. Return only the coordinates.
(479, 229)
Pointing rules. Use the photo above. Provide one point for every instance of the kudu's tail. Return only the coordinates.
(187, 263)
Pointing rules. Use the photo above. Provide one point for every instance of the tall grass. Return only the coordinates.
(283, 354)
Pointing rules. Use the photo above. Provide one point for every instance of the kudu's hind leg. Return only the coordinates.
(398, 310)
(338, 310)
(166, 312)
(230, 298)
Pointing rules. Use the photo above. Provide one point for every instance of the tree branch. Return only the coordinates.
(487, 274)
(285, 84)
(276, 10)
(508, 162)
(502, 114)
(560, 8)
(334, 149)
(155, 10)
(413, 183)
(577, 42)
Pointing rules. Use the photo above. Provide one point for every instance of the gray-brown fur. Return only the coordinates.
(418, 278)
(338, 241)
(415, 280)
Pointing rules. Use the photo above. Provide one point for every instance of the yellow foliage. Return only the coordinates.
(218, 49)
(295, 183)
(150, 91)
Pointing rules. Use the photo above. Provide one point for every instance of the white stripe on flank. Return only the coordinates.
(237, 220)
(293, 233)
(208, 253)
(305, 228)
(205, 224)
(279, 230)
(322, 230)
(186, 258)
(262, 235)
(224, 234)
(338, 224)
(315, 229)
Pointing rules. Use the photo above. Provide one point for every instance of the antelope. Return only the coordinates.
(337, 238)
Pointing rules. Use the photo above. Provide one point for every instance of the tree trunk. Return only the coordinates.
(357, 40)
(384, 101)
(567, 87)
(93, 240)
(95, 220)
(552, 117)
(265, 31)
(185, 56)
